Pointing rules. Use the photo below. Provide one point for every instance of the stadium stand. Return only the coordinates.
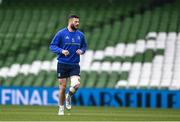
(132, 44)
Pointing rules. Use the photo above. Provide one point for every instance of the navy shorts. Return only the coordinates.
(67, 70)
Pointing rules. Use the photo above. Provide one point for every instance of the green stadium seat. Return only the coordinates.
(113, 78)
(19, 79)
(92, 79)
(155, 20)
(8, 82)
(50, 79)
(84, 78)
(102, 79)
(29, 79)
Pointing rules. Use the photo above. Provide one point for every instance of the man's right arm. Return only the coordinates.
(54, 45)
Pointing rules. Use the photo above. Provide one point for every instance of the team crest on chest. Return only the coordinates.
(73, 40)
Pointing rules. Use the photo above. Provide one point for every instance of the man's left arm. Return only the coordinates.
(83, 46)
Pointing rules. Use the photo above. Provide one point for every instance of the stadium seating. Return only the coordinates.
(132, 44)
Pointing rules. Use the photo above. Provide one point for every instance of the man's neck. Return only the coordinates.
(70, 29)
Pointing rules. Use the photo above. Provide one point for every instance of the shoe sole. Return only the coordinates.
(68, 108)
(60, 114)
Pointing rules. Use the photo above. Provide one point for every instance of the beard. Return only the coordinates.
(73, 27)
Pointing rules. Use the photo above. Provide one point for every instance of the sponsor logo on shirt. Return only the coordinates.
(67, 37)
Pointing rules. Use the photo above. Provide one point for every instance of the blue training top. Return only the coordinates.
(71, 41)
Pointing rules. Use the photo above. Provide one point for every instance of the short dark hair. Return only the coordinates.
(73, 16)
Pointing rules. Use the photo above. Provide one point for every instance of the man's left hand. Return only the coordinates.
(79, 52)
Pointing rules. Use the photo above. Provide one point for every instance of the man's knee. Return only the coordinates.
(77, 85)
(75, 82)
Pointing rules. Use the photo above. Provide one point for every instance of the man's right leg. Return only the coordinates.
(62, 88)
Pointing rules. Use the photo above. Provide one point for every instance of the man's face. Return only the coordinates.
(74, 23)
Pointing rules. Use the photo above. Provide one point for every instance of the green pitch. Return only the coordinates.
(49, 113)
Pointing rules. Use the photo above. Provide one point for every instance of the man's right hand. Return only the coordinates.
(65, 52)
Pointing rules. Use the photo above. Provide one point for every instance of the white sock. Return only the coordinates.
(61, 107)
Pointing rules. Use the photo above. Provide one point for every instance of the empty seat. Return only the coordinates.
(129, 52)
(119, 51)
(14, 70)
(104, 75)
(151, 35)
(134, 74)
(166, 79)
(98, 55)
(4, 72)
(45, 65)
(35, 67)
(156, 71)
(145, 75)
(109, 53)
(24, 69)
(126, 66)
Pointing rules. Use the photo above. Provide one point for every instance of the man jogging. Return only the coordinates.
(68, 43)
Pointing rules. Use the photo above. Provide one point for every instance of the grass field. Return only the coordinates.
(49, 113)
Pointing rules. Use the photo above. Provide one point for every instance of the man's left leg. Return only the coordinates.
(75, 83)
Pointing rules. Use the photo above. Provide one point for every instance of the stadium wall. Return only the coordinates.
(92, 97)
